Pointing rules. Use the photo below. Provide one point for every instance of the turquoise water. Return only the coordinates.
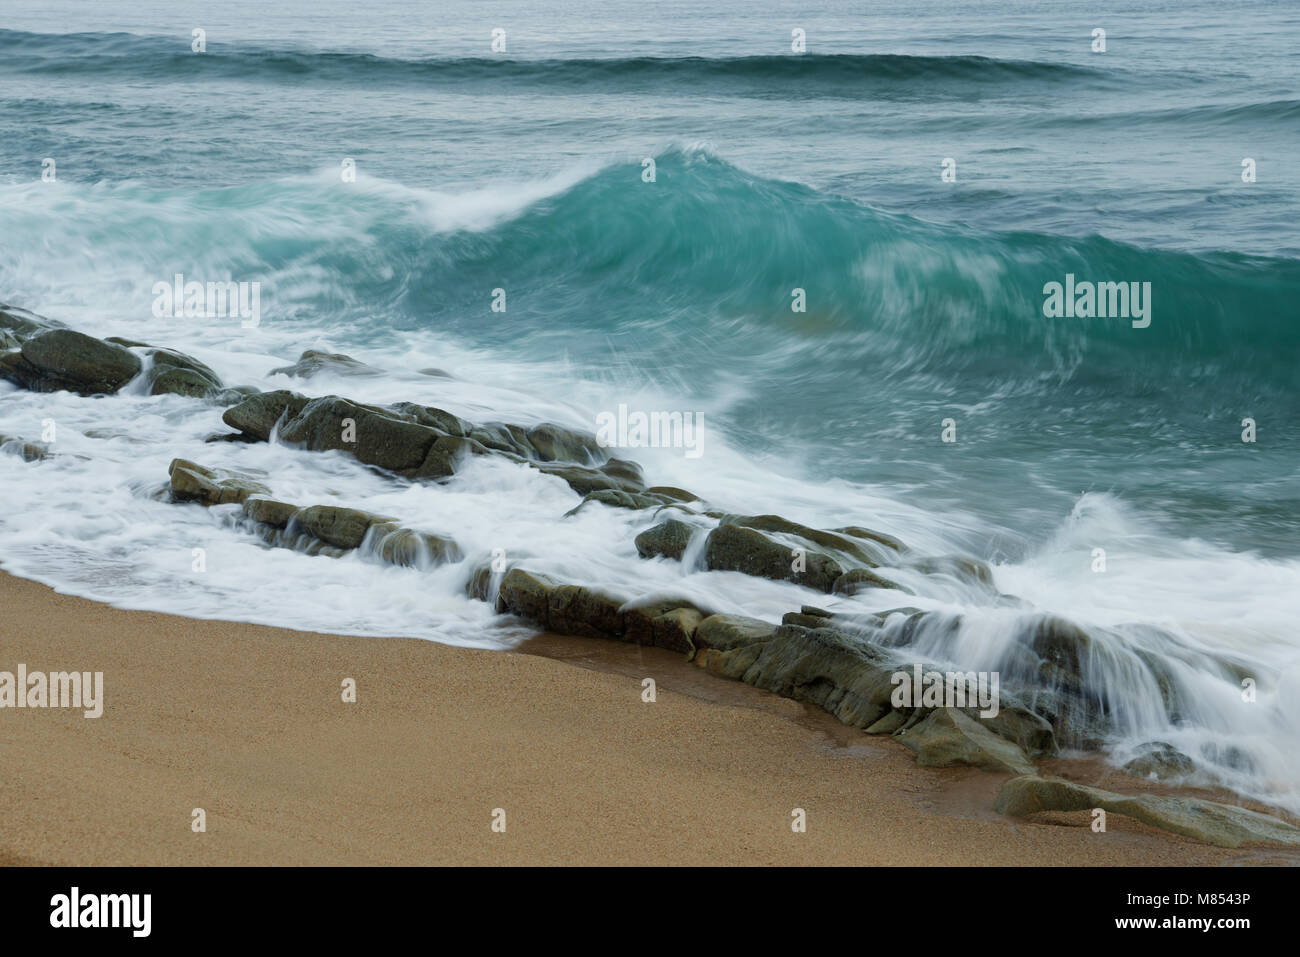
(523, 171)
(775, 171)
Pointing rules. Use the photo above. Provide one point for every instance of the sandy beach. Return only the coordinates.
(248, 723)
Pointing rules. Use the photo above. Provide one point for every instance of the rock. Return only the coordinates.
(312, 362)
(555, 444)
(376, 438)
(667, 623)
(820, 666)
(179, 374)
(438, 419)
(258, 414)
(847, 547)
(510, 439)
(27, 451)
(585, 612)
(585, 480)
(20, 324)
(879, 537)
(672, 494)
(1160, 760)
(343, 527)
(742, 549)
(971, 571)
(1220, 824)
(191, 482)
(269, 512)
(615, 498)
(60, 359)
(445, 455)
(527, 595)
(862, 579)
(412, 549)
(668, 538)
(948, 736)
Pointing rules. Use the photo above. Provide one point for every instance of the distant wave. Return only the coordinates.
(826, 74)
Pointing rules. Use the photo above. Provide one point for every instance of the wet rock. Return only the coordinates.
(19, 324)
(862, 579)
(949, 736)
(613, 475)
(585, 612)
(879, 538)
(375, 438)
(820, 666)
(968, 570)
(258, 414)
(849, 548)
(343, 527)
(191, 482)
(667, 623)
(312, 362)
(509, 439)
(27, 451)
(438, 419)
(672, 493)
(619, 499)
(528, 595)
(555, 444)
(412, 549)
(741, 549)
(268, 511)
(668, 538)
(1220, 824)
(445, 456)
(178, 374)
(1160, 760)
(60, 359)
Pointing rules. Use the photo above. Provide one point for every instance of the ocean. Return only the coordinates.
(650, 191)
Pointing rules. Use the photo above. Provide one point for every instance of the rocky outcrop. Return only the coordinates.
(422, 442)
(63, 360)
(592, 613)
(316, 529)
(50, 358)
(1220, 824)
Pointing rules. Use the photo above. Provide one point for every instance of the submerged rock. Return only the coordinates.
(27, 451)
(312, 362)
(1221, 824)
(1160, 760)
(862, 579)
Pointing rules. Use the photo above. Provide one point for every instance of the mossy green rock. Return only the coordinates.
(949, 736)
(1221, 824)
(61, 359)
